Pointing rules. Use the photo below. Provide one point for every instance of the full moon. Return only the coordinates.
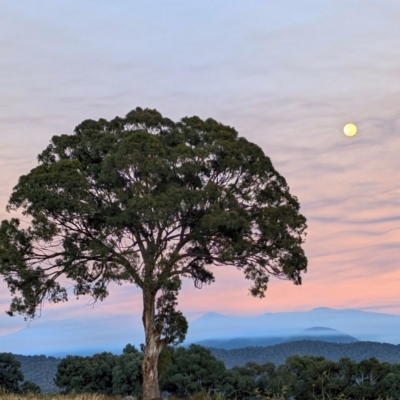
(350, 130)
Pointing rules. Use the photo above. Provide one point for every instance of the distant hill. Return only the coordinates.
(41, 370)
(323, 334)
(237, 343)
(92, 333)
(363, 325)
(278, 353)
(315, 333)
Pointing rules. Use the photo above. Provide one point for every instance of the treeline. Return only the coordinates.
(42, 369)
(103, 373)
(187, 371)
(278, 353)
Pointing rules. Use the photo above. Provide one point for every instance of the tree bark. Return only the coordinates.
(152, 349)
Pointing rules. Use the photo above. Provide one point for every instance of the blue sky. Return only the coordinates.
(287, 75)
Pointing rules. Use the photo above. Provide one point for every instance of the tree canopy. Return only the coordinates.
(86, 374)
(194, 369)
(149, 201)
(127, 373)
(10, 372)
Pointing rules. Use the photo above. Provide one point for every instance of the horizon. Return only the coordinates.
(287, 76)
(38, 321)
(296, 311)
(59, 338)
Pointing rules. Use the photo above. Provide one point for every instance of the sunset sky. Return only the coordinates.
(288, 75)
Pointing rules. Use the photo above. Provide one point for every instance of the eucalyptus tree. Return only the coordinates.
(148, 201)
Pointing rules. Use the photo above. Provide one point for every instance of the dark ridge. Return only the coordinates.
(319, 333)
(240, 342)
(321, 328)
(40, 370)
(278, 353)
(322, 333)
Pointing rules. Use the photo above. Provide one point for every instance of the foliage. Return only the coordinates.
(164, 361)
(309, 377)
(242, 381)
(86, 374)
(146, 200)
(10, 372)
(149, 201)
(300, 378)
(333, 351)
(183, 195)
(193, 369)
(127, 373)
(252, 378)
(194, 372)
(58, 396)
(29, 387)
(106, 373)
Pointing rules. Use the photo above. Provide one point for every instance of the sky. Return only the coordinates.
(287, 75)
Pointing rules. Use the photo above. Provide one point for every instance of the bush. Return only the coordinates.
(193, 370)
(86, 374)
(10, 373)
(29, 387)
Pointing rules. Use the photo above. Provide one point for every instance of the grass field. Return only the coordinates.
(91, 396)
(85, 396)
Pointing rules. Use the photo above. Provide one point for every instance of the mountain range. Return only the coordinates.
(315, 333)
(274, 328)
(85, 336)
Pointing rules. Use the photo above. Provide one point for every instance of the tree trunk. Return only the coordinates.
(152, 349)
